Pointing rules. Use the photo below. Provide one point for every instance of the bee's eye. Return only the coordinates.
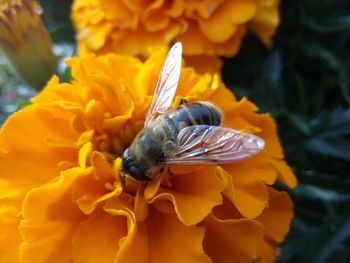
(132, 168)
(137, 172)
(125, 155)
(126, 160)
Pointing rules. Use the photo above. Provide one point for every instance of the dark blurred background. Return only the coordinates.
(304, 82)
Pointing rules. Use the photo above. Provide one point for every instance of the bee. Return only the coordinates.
(189, 134)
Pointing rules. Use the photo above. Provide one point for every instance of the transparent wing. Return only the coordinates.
(214, 144)
(167, 83)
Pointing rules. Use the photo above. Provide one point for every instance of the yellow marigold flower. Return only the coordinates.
(25, 41)
(206, 28)
(62, 200)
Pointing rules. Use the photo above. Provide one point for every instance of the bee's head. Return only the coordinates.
(133, 169)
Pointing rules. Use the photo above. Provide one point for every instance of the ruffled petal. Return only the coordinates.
(161, 239)
(55, 91)
(266, 20)
(10, 237)
(207, 27)
(196, 43)
(190, 195)
(246, 184)
(156, 20)
(232, 240)
(50, 218)
(269, 252)
(136, 238)
(268, 132)
(277, 217)
(258, 168)
(228, 15)
(23, 152)
(204, 64)
(117, 10)
(175, 8)
(98, 238)
(285, 173)
(251, 199)
(95, 185)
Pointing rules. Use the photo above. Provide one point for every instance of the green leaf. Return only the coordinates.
(340, 234)
(316, 50)
(298, 122)
(333, 25)
(344, 84)
(338, 149)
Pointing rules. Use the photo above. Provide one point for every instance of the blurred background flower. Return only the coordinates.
(61, 188)
(207, 29)
(25, 41)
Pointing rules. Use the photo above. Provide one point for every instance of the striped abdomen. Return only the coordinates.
(189, 114)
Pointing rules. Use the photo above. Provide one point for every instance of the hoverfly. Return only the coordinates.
(189, 134)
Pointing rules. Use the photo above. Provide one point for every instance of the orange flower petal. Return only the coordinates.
(10, 237)
(190, 195)
(141, 208)
(90, 8)
(54, 91)
(117, 10)
(222, 97)
(201, 9)
(228, 15)
(156, 20)
(47, 120)
(235, 240)
(97, 239)
(95, 37)
(137, 236)
(285, 173)
(248, 190)
(162, 239)
(277, 217)
(175, 9)
(24, 149)
(138, 5)
(49, 220)
(207, 27)
(229, 190)
(251, 199)
(94, 186)
(127, 41)
(268, 254)
(97, 80)
(84, 154)
(195, 43)
(204, 64)
(266, 20)
(268, 132)
(258, 168)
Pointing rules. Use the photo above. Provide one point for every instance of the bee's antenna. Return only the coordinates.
(123, 180)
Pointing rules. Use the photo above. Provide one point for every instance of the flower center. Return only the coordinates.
(112, 145)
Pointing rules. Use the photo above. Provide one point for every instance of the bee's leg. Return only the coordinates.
(123, 180)
(161, 170)
(182, 101)
(166, 176)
